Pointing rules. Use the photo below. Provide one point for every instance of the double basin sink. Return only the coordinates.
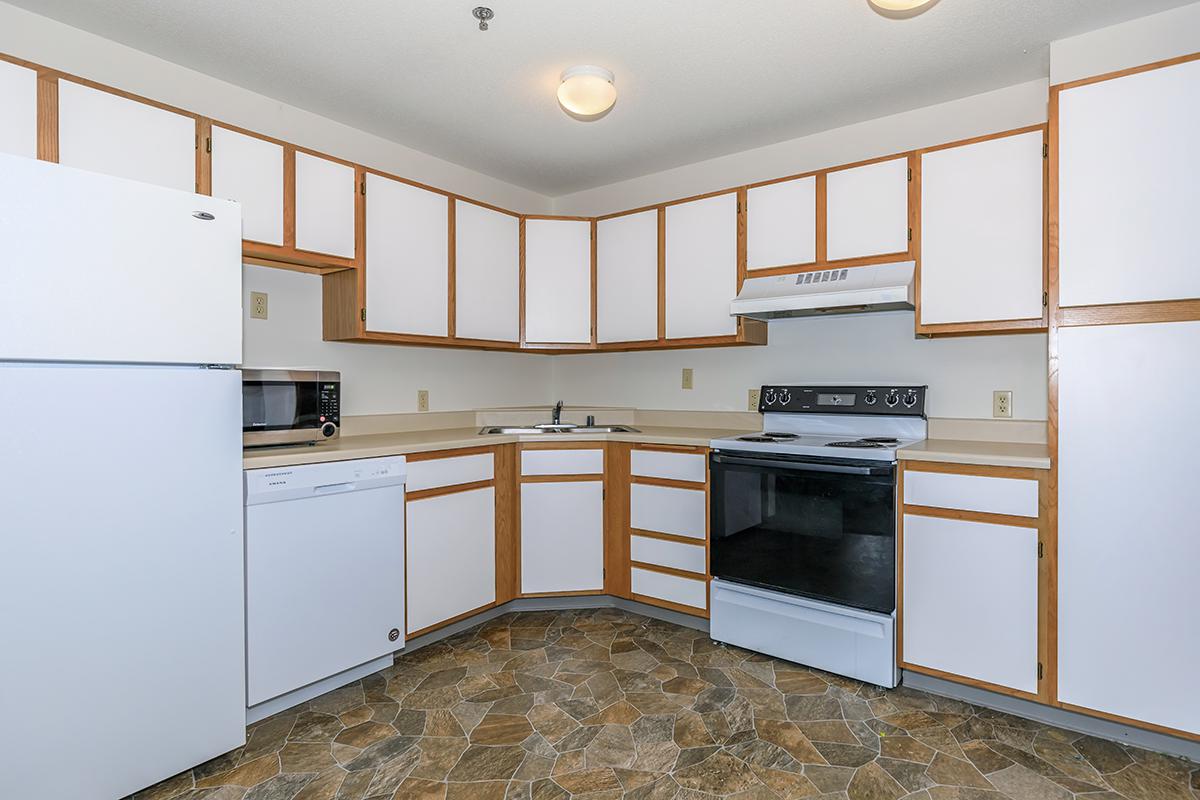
(551, 429)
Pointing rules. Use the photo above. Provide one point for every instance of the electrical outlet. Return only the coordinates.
(422, 399)
(258, 305)
(752, 401)
(1002, 403)
(687, 377)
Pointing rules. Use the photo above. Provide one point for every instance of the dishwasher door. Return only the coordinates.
(324, 571)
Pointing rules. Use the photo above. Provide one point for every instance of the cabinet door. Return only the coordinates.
(451, 561)
(558, 281)
(250, 170)
(105, 132)
(701, 267)
(562, 537)
(978, 618)
(407, 258)
(982, 231)
(487, 274)
(781, 223)
(627, 278)
(867, 210)
(1128, 642)
(1127, 202)
(324, 206)
(18, 98)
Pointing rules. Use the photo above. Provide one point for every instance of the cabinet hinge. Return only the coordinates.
(910, 234)
(910, 174)
(1041, 550)
(1040, 673)
(208, 144)
(1045, 299)
(362, 314)
(362, 188)
(1045, 150)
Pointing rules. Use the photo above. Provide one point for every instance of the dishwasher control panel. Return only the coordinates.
(274, 484)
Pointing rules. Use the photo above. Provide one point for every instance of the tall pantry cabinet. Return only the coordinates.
(1125, 345)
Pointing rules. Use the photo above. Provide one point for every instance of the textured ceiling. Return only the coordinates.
(696, 79)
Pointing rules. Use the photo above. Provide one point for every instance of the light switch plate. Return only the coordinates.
(1002, 403)
(687, 377)
(258, 305)
(752, 400)
(422, 399)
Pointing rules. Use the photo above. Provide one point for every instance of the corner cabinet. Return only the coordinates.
(562, 519)
(983, 234)
(487, 273)
(556, 256)
(18, 98)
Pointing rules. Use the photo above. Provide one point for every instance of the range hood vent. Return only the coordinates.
(846, 290)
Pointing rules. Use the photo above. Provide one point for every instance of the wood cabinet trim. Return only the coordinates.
(668, 537)
(450, 621)
(1121, 73)
(692, 611)
(453, 488)
(451, 452)
(986, 517)
(47, 116)
(594, 477)
(670, 483)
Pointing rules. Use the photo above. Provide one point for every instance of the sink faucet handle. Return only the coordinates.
(557, 418)
(591, 421)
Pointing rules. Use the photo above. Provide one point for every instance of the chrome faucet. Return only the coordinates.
(556, 419)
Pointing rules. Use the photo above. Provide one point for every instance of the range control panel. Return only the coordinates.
(894, 401)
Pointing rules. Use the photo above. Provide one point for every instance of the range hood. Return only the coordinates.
(846, 290)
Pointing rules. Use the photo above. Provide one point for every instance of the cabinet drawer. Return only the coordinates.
(1015, 496)
(562, 462)
(660, 464)
(687, 557)
(672, 588)
(665, 509)
(449, 471)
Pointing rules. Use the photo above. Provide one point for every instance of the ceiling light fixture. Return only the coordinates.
(900, 8)
(586, 92)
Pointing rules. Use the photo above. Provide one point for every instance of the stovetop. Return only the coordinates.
(874, 448)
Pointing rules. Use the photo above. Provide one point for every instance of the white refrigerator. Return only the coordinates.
(121, 543)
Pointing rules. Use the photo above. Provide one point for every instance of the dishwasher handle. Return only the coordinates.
(335, 488)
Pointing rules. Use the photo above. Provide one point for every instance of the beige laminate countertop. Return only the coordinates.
(397, 444)
(990, 454)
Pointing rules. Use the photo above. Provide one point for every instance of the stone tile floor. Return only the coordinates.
(598, 704)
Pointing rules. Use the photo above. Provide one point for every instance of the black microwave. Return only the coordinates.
(290, 406)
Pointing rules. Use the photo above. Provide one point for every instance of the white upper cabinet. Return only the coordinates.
(1127, 202)
(982, 231)
(104, 132)
(627, 278)
(781, 223)
(407, 258)
(324, 206)
(18, 98)
(250, 170)
(558, 281)
(867, 210)
(701, 244)
(487, 273)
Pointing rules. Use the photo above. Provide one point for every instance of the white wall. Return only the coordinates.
(869, 348)
(62, 47)
(380, 378)
(1130, 44)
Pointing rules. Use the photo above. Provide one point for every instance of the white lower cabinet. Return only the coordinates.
(970, 600)
(451, 555)
(675, 589)
(668, 509)
(562, 536)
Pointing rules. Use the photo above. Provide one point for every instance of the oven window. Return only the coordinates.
(825, 535)
(279, 405)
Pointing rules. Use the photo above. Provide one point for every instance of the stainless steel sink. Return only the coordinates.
(551, 429)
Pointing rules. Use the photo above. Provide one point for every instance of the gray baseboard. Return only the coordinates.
(1071, 720)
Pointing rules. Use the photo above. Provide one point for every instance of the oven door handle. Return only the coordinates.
(801, 466)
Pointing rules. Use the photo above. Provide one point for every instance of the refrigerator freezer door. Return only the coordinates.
(96, 268)
(121, 579)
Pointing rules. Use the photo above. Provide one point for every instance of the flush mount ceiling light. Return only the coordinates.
(901, 8)
(586, 92)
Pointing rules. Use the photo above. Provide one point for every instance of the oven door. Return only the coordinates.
(817, 527)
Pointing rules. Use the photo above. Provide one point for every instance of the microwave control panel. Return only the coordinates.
(893, 401)
(329, 401)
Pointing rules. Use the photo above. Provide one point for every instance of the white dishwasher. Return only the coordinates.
(324, 577)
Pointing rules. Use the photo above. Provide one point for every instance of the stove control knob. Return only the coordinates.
(785, 397)
(910, 398)
(871, 399)
(769, 397)
(891, 398)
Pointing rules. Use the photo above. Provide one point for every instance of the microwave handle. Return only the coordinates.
(799, 466)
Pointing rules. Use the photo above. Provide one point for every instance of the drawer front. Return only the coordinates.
(665, 509)
(1014, 496)
(672, 588)
(450, 471)
(675, 466)
(687, 557)
(562, 462)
